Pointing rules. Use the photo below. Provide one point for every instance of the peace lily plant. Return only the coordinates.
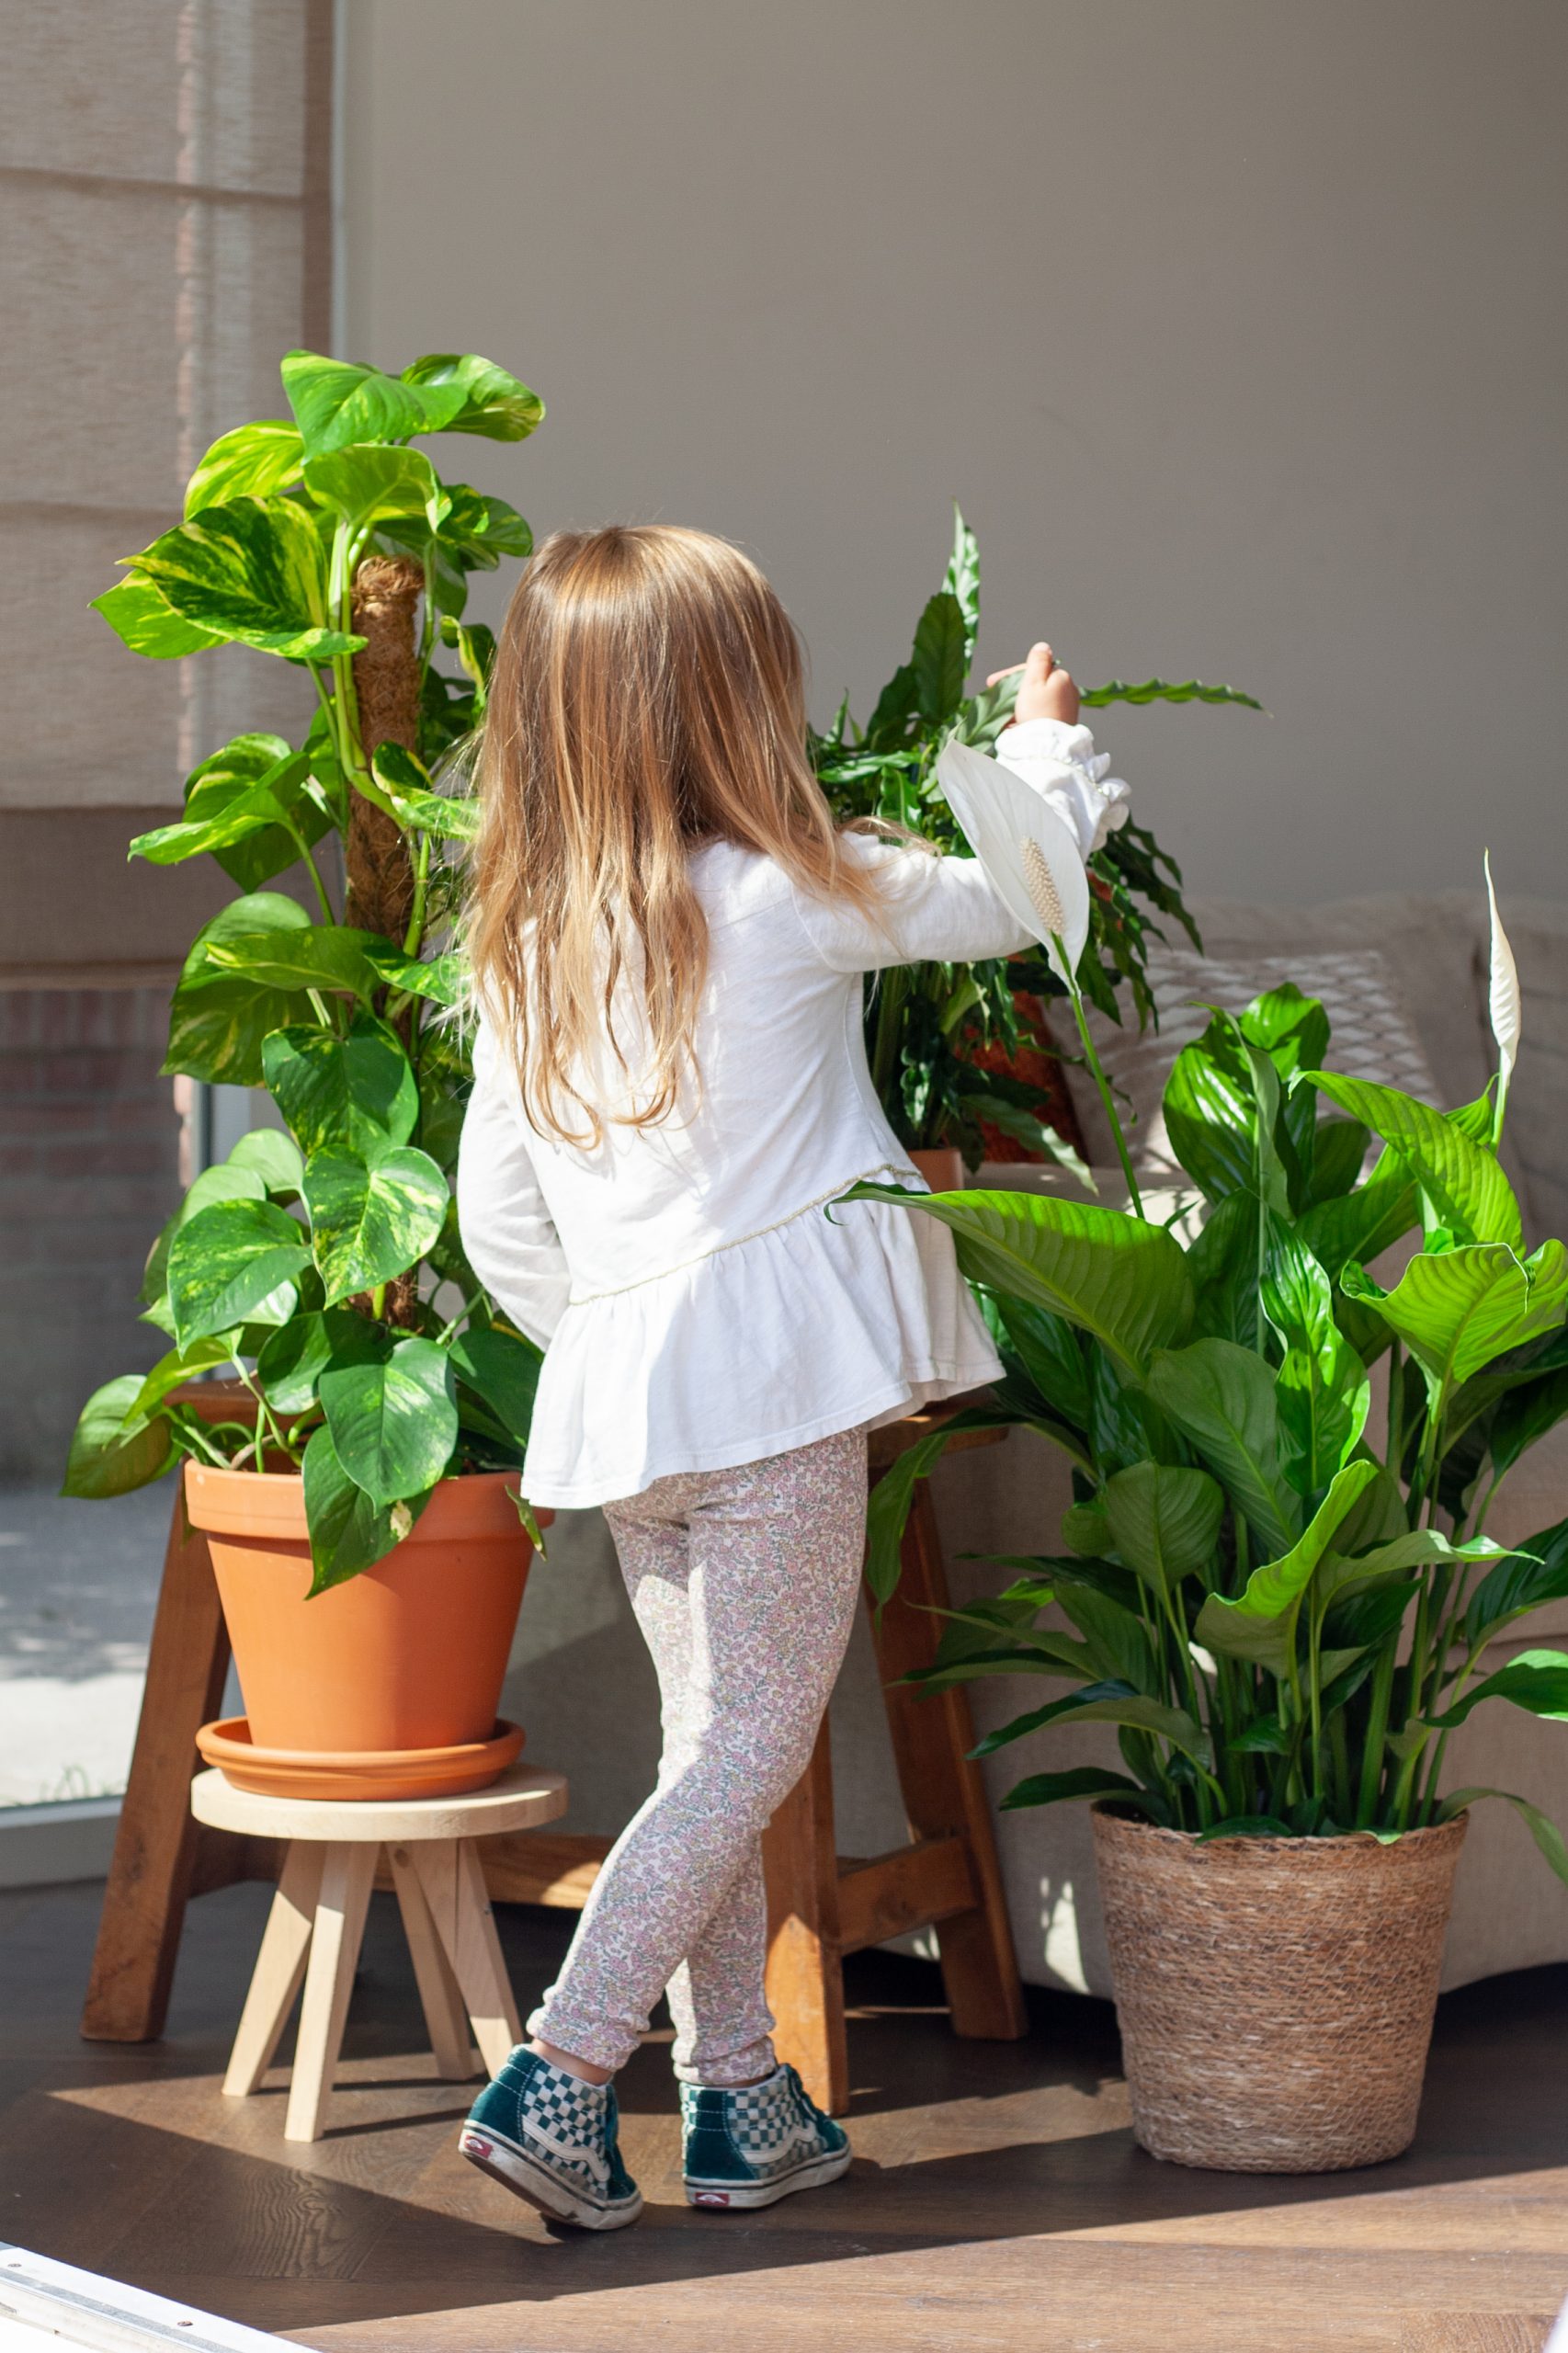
(1282, 1604)
(307, 1266)
(929, 1026)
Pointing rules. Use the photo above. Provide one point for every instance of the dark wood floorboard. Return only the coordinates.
(997, 2199)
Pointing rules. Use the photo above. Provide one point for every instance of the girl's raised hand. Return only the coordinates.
(1045, 690)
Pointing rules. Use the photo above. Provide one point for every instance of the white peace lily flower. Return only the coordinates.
(1026, 849)
(1506, 1005)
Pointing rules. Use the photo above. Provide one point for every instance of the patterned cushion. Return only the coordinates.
(1373, 1035)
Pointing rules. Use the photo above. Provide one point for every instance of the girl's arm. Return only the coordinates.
(945, 910)
(508, 1231)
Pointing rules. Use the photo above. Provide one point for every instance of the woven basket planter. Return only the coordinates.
(1274, 1994)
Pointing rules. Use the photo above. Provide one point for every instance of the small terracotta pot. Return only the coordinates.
(408, 1654)
(1275, 1996)
(942, 1167)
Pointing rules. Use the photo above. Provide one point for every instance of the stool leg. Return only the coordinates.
(280, 1967)
(453, 1880)
(446, 2020)
(943, 1793)
(346, 1874)
(806, 1967)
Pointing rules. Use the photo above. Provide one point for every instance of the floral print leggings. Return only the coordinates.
(743, 1583)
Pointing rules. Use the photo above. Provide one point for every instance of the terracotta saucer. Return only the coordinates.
(366, 1773)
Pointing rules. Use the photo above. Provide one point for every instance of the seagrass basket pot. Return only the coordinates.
(1274, 1994)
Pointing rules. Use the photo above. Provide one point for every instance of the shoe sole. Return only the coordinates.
(814, 2174)
(517, 2172)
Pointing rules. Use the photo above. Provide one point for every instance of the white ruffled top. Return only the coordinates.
(697, 1305)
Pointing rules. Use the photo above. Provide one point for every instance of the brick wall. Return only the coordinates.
(89, 1169)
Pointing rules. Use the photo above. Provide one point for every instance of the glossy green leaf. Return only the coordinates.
(103, 1459)
(1536, 1681)
(1164, 690)
(1322, 1392)
(1050, 1351)
(1212, 1112)
(1458, 1310)
(143, 618)
(218, 1020)
(394, 1419)
(275, 1158)
(940, 660)
(1084, 1782)
(1525, 1415)
(1244, 1825)
(1221, 1397)
(252, 805)
(501, 1370)
(178, 1366)
(362, 486)
(357, 1092)
(254, 570)
(371, 1222)
(253, 462)
(293, 1358)
(1108, 1703)
(1464, 1183)
(1542, 1829)
(1124, 1282)
(338, 401)
(492, 402)
(1163, 1522)
(406, 784)
(1519, 1584)
(318, 956)
(227, 1262)
(961, 581)
(349, 1532)
(1260, 1624)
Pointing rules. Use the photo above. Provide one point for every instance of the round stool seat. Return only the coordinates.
(523, 1797)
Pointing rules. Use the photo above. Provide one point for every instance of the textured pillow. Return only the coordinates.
(1373, 1035)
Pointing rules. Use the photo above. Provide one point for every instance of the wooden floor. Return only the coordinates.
(997, 2199)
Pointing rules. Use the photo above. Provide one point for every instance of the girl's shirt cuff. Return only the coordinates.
(1061, 764)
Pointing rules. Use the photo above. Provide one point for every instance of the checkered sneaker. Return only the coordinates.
(748, 2144)
(552, 2139)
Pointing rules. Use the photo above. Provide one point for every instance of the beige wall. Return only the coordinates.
(1236, 325)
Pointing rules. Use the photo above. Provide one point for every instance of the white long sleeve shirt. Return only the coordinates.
(698, 1306)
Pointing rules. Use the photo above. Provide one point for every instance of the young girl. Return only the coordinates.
(669, 945)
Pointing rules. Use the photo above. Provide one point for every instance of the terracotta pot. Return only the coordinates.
(942, 1167)
(408, 1654)
(1274, 1994)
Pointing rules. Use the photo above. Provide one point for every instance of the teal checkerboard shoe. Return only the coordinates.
(554, 2140)
(753, 2143)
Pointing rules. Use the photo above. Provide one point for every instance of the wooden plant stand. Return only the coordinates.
(822, 1905)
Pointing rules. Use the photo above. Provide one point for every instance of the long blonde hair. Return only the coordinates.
(648, 696)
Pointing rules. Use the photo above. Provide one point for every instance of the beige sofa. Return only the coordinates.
(582, 1685)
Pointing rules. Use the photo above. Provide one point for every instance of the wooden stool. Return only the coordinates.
(318, 1918)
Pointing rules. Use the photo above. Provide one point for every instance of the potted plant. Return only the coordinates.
(356, 1468)
(1282, 1603)
(961, 1055)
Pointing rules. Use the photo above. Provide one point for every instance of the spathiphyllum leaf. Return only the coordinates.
(1536, 1681)
(1260, 1624)
(253, 570)
(1463, 1181)
(1537, 1573)
(1322, 1391)
(1163, 1522)
(371, 1222)
(1122, 1282)
(1223, 1398)
(1542, 1829)
(253, 462)
(962, 581)
(941, 657)
(1458, 1310)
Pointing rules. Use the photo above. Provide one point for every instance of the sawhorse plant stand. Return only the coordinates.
(822, 1905)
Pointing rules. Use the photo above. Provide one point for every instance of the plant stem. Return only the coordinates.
(416, 931)
(1102, 1083)
(1377, 1733)
(304, 849)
